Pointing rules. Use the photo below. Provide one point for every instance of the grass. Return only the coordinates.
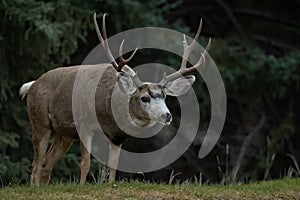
(278, 189)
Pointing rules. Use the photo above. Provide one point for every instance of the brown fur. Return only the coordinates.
(50, 113)
(49, 102)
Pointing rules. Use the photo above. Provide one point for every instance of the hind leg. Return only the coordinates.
(41, 139)
(59, 147)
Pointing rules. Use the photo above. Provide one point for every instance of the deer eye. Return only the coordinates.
(145, 99)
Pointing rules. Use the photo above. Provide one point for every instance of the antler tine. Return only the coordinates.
(122, 60)
(187, 49)
(103, 40)
(202, 58)
(200, 62)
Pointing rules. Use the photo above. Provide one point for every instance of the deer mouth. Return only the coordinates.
(168, 123)
(163, 121)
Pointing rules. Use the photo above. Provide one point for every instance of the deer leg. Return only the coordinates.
(85, 149)
(85, 159)
(59, 147)
(113, 160)
(40, 143)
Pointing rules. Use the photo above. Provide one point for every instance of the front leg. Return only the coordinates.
(85, 161)
(113, 160)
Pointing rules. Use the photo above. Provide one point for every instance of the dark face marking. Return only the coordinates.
(156, 94)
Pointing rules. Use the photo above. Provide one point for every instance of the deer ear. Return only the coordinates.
(125, 83)
(179, 86)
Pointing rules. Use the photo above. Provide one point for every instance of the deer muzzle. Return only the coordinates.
(160, 113)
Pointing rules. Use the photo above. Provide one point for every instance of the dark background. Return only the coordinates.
(255, 46)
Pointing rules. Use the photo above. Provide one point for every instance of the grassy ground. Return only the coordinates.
(281, 189)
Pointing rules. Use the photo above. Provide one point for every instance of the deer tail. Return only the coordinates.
(24, 89)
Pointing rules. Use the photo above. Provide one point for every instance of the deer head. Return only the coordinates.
(147, 100)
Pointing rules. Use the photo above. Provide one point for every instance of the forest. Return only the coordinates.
(255, 45)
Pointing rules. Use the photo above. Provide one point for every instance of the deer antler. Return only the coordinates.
(122, 63)
(103, 40)
(104, 43)
(187, 49)
(122, 60)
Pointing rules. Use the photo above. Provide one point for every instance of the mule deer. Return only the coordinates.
(49, 102)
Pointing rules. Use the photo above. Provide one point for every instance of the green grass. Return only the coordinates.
(279, 189)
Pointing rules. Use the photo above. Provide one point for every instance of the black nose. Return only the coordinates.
(167, 117)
